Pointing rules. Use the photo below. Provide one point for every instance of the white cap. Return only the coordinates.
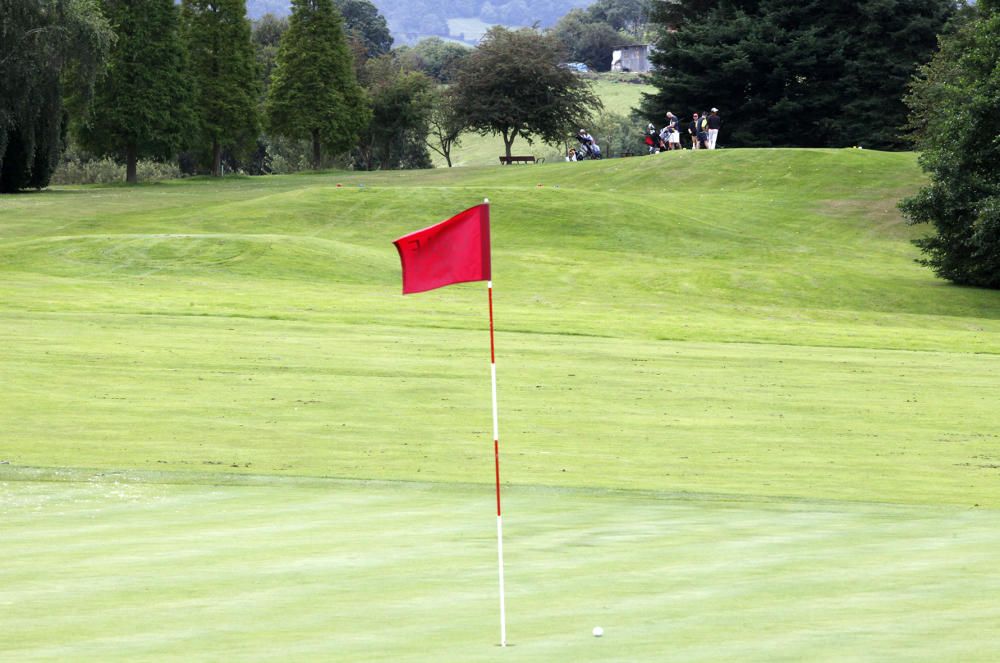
(715, 110)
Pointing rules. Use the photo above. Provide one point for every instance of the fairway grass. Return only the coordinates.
(738, 421)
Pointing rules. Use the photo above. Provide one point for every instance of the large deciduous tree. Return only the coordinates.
(954, 105)
(446, 124)
(808, 73)
(435, 57)
(630, 17)
(314, 92)
(217, 34)
(142, 107)
(401, 103)
(588, 40)
(513, 86)
(364, 24)
(51, 51)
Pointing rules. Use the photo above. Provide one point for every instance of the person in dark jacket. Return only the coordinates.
(703, 130)
(714, 124)
(693, 129)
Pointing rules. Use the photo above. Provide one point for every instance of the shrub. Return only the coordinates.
(76, 168)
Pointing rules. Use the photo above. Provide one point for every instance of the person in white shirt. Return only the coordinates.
(714, 123)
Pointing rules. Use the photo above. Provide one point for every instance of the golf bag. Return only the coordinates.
(588, 149)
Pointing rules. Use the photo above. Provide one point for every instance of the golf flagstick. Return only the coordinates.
(496, 458)
(457, 250)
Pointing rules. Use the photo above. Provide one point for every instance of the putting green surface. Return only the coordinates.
(374, 571)
(737, 420)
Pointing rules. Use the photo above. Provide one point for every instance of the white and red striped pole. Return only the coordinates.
(496, 457)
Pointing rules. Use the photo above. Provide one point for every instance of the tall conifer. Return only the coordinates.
(314, 93)
(217, 35)
(142, 108)
(801, 73)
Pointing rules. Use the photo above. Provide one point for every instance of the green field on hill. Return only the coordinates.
(738, 421)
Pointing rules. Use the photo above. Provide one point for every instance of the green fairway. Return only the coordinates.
(738, 421)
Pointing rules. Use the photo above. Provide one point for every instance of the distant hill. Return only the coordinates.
(410, 20)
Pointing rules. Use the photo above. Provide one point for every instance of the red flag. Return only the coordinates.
(453, 251)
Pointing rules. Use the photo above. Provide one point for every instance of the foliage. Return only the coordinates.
(143, 107)
(218, 39)
(513, 86)
(587, 40)
(445, 124)
(616, 134)
(953, 104)
(266, 35)
(784, 72)
(314, 93)
(435, 57)
(363, 23)
(629, 17)
(49, 49)
(77, 168)
(401, 104)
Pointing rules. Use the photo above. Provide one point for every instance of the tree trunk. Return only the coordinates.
(317, 156)
(131, 162)
(216, 158)
(508, 142)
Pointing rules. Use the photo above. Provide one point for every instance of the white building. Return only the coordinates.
(632, 58)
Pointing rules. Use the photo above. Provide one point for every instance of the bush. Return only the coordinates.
(960, 153)
(77, 168)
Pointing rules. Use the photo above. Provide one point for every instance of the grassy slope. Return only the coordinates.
(801, 418)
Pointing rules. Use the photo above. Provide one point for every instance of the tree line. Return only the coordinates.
(151, 79)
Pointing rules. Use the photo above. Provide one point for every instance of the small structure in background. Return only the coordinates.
(631, 58)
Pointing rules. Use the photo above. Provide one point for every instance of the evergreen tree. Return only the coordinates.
(954, 103)
(49, 50)
(806, 73)
(217, 34)
(142, 108)
(314, 93)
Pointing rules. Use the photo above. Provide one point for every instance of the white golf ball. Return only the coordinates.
(598, 631)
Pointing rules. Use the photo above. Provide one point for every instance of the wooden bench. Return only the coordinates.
(506, 161)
